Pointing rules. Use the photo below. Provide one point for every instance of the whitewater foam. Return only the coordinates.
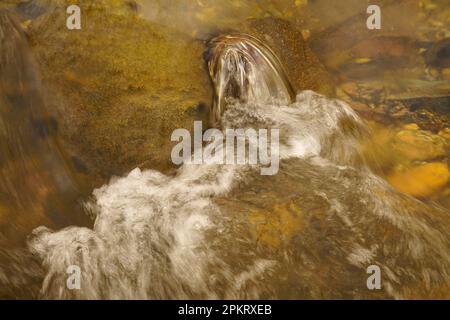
(163, 237)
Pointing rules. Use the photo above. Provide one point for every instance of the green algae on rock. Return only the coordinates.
(120, 85)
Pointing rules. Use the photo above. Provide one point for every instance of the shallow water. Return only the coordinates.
(225, 231)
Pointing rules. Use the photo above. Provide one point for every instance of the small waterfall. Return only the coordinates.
(244, 68)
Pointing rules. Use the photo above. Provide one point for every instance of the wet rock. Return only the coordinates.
(445, 133)
(428, 120)
(398, 111)
(420, 92)
(3, 214)
(335, 44)
(446, 73)
(368, 92)
(315, 226)
(414, 144)
(443, 198)
(32, 9)
(411, 126)
(386, 47)
(9, 3)
(122, 84)
(420, 180)
(306, 34)
(119, 86)
(374, 58)
(303, 68)
(438, 56)
(277, 225)
(392, 146)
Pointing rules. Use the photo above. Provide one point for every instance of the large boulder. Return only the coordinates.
(119, 86)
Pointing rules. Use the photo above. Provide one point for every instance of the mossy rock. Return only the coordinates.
(119, 86)
(304, 70)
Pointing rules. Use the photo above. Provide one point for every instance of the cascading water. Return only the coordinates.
(243, 67)
(225, 231)
(185, 236)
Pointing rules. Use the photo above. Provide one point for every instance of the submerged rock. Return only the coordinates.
(420, 180)
(401, 154)
(419, 144)
(320, 232)
(276, 225)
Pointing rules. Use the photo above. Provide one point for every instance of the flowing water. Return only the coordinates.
(225, 231)
(244, 67)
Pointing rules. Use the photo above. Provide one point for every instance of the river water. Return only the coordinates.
(213, 231)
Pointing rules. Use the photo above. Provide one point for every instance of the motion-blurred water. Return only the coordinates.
(219, 231)
(188, 236)
(36, 185)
